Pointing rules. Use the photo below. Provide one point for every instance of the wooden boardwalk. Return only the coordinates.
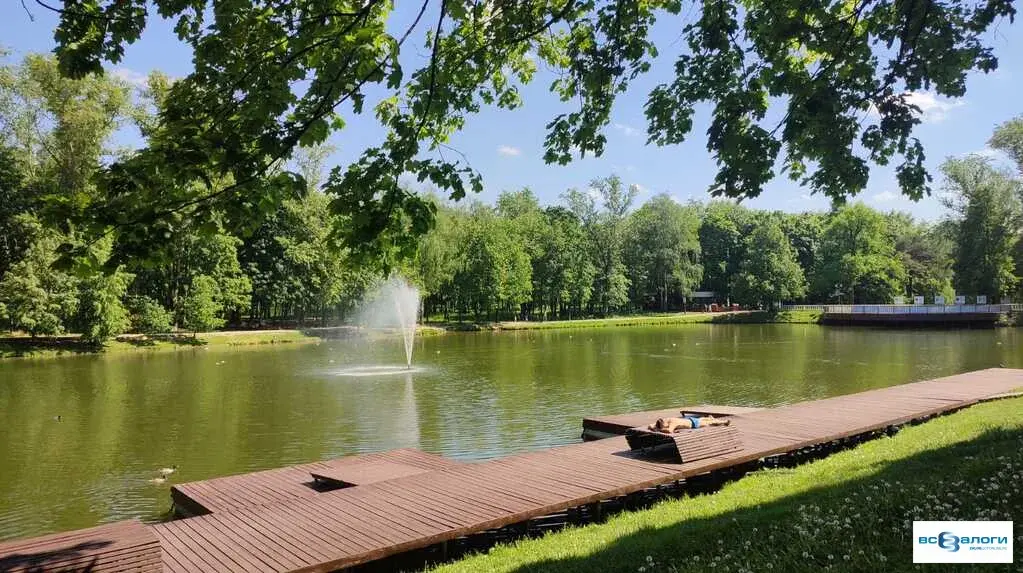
(114, 548)
(275, 522)
(354, 525)
(600, 427)
(297, 482)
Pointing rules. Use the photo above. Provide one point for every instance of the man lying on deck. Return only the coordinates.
(672, 425)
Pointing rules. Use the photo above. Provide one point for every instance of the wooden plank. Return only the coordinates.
(121, 546)
(267, 487)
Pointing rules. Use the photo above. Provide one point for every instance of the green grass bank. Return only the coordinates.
(740, 317)
(852, 511)
(56, 346)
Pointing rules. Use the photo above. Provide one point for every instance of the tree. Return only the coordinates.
(769, 273)
(437, 261)
(926, 254)
(563, 272)
(858, 262)
(101, 312)
(186, 253)
(986, 204)
(148, 316)
(1008, 138)
(273, 76)
(527, 226)
(722, 245)
(804, 231)
(494, 272)
(662, 251)
(61, 129)
(34, 296)
(200, 310)
(605, 228)
(13, 204)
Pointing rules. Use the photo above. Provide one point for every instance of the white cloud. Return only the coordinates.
(130, 76)
(509, 151)
(933, 108)
(989, 153)
(884, 197)
(627, 129)
(639, 188)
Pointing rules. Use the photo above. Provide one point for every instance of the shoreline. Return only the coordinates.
(22, 346)
(659, 319)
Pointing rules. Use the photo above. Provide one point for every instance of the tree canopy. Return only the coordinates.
(987, 203)
(270, 76)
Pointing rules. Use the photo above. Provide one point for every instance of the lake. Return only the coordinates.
(473, 395)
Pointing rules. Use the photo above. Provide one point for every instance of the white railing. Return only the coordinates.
(910, 308)
(816, 307)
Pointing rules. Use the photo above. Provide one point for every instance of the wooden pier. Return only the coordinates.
(394, 509)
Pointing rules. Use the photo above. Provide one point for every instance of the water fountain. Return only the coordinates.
(394, 305)
(406, 308)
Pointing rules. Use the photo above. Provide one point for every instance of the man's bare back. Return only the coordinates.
(672, 425)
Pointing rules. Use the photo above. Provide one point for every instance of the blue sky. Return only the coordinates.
(507, 146)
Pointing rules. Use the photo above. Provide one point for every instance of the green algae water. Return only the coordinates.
(470, 396)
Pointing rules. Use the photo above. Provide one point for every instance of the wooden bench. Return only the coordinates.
(687, 445)
(115, 547)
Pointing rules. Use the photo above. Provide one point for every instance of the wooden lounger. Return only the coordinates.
(687, 445)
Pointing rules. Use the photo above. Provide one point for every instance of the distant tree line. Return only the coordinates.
(595, 253)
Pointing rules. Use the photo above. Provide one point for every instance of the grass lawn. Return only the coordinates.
(740, 317)
(643, 320)
(779, 317)
(19, 346)
(48, 347)
(852, 511)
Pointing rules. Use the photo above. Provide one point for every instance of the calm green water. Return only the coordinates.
(225, 411)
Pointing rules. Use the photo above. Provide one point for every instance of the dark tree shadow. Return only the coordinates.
(53, 560)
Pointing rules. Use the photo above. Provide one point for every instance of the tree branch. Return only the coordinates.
(433, 67)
